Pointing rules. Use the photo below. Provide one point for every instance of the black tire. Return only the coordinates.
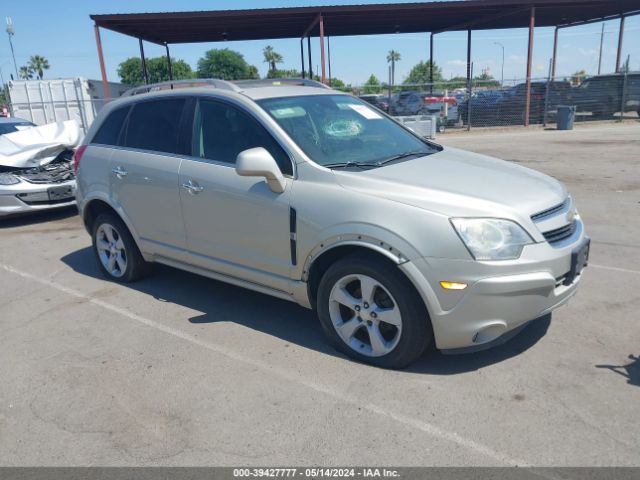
(416, 333)
(136, 266)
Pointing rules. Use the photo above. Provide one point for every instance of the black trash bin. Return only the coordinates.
(566, 117)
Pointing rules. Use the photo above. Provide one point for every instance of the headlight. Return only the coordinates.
(492, 238)
(8, 179)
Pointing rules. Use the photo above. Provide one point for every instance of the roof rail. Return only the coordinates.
(276, 82)
(235, 86)
(177, 84)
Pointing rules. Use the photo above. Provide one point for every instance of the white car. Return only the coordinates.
(25, 189)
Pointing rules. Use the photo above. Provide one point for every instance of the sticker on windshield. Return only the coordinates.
(365, 111)
(288, 112)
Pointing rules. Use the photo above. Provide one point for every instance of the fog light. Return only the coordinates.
(453, 285)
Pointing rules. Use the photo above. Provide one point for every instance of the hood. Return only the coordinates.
(455, 182)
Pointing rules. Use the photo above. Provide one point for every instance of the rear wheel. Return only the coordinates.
(370, 311)
(118, 256)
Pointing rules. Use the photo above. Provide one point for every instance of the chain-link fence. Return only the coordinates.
(487, 103)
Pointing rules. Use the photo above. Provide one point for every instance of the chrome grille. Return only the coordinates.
(559, 234)
(551, 211)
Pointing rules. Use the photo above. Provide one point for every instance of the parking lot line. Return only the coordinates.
(615, 269)
(415, 423)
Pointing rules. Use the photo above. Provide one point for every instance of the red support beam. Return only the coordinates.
(324, 76)
(527, 100)
(103, 70)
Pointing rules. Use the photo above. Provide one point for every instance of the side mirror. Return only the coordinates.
(258, 162)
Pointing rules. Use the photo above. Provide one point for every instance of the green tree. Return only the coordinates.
(272, 57)
(392, 58)
(372, 85)
(577, 77)
(130, 71)
(420, 74)
(25, 73)
(225, 64)
(38, 64)
(486, 80)
(277, 73)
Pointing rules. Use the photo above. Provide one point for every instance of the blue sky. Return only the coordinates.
(62, 32)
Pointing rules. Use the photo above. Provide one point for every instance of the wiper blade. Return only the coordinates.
(400, 156)
(350, 165)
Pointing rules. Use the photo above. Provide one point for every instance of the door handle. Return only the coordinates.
(192, 187)
(119, 172)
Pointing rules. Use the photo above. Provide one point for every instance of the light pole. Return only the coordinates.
(502, 73)
(11, 33)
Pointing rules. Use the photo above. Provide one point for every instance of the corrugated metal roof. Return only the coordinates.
(363, 19)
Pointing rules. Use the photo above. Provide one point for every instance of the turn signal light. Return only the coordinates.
(453, 285)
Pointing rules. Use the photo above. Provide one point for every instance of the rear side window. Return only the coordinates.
(155, 125)
(222, 131)
(109, 132)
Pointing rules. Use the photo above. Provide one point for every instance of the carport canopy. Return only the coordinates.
(368, 19)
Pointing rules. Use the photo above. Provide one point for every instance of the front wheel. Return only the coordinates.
(371, 312)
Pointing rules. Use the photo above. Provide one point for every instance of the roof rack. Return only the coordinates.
(178, 84)
(235, 86)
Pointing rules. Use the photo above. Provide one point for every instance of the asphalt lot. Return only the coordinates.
(182, 370)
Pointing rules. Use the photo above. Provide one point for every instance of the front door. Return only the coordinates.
(234, 225)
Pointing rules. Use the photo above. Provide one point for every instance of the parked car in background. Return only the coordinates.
(377, 100)
(511, 106)
(421, 103)
(249, 184)
(602, 95)
(36, 171)
(484, 109)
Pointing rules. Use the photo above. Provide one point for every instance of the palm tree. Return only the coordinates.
(26, 73)
(38, 64)
(392, 58)
(271, 57)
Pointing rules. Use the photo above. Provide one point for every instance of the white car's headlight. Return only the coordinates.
(8, 179)
(492, 238)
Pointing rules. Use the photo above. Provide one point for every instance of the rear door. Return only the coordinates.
(235, 225)
(144, 174)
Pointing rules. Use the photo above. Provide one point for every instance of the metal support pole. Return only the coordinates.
(145, 74)
(555, 54)
(323, 77)
(620, 39)
(431, 64)
(103, 70)
(309, 52)
(302, 56)
(600, 54)
(329, 57)
(469, 58)
(166, 45)
(527, 100)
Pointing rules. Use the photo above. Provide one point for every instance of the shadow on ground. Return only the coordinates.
(221, 302)
(630, 371)
(38, 217)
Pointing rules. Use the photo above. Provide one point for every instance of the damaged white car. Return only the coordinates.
(36, 165)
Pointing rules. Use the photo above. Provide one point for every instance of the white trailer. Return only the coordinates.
(47, 101)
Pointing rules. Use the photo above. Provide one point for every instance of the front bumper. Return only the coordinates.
(500, 297)
(25, 197)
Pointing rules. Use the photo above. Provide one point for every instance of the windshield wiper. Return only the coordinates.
(400, 156)
(350, 165)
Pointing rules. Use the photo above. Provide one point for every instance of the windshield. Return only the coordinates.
(334, 129)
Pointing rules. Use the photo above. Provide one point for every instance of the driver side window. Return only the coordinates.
(222, 131)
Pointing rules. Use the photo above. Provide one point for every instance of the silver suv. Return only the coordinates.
(316, 197)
